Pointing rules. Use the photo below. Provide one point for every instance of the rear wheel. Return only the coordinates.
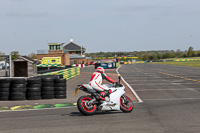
(126, 105)
(84, 107)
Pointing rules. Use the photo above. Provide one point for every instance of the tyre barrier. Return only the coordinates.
(33, 89)
(47, 91)
(60, 88)
(4, 89)
(18, 89)
(36, 88)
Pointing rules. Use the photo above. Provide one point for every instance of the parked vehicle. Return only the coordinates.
(3, 65)
(89, 104)
(92, 63)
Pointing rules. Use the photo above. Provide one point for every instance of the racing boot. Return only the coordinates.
(104, 95)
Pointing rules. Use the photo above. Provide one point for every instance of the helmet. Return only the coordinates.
(101, 69)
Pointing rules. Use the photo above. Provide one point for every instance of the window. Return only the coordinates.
(53, 61)
(57, 47)
(78, 52)
(51, 47)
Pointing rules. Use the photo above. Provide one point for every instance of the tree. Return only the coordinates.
(190, 52)
(14, 55)
(145, 57)
(32, 56)
(155, 57)
(166, 55)
(1, 58)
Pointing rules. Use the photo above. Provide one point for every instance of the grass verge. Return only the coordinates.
(184, 63)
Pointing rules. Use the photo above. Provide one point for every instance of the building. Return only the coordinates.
(55, 50)
(74, 49)
(77, 59)
(24, 67)
(70, 53)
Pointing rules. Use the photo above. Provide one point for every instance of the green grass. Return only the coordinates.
(181, 58)
(178, 63)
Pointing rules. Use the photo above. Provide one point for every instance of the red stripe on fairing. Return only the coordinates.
(99, 85)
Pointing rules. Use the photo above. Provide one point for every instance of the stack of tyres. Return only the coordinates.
(18, 89)
(60, 88)
(47, 88)
(4, 89)
(33, 91)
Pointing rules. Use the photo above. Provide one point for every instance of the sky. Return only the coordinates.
(99, 25)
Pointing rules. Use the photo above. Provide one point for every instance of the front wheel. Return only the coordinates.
(85, 107)
(126, 105)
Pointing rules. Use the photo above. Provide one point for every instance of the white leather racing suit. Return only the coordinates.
(96, 81)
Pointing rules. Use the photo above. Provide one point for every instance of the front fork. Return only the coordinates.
(124, 100)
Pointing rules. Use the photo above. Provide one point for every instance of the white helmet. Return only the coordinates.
(101, 69)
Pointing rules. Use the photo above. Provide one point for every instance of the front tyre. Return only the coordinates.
(126, 105)
(85, 107)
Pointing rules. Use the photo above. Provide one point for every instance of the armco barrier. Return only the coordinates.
(67, 73)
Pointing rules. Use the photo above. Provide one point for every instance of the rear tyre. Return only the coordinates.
(84, 107)
(126, 105)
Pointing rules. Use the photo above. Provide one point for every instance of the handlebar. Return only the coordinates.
(117, 84)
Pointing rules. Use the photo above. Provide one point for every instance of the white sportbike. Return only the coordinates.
(116, 101)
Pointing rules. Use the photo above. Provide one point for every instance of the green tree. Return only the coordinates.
(145, 57)
(167, 55)
(190, 52)
(14, 55)
(1, 58)
(155, 57)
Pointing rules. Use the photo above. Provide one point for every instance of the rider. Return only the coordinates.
(96, 82)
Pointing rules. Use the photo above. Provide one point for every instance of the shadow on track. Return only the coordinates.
(97, 113)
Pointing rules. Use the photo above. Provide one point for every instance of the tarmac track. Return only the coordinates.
(171, 104)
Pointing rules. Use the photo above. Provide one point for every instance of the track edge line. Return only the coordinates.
(132, 90)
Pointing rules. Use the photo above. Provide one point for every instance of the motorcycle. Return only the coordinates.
(116, 101)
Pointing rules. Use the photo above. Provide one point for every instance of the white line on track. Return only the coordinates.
(136, 95)
(147, 80)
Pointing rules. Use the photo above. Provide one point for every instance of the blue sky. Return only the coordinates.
(100, 25)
